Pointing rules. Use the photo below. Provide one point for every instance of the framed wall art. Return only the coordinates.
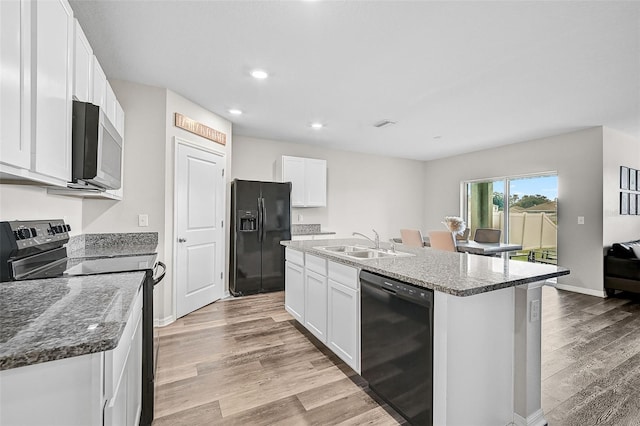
(633, 204)
(624, 177)
(633, 180)
(624, 203)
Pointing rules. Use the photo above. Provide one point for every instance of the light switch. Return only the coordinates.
(580, 220)
(143, 220)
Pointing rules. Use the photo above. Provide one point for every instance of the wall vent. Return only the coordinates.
(384, 123)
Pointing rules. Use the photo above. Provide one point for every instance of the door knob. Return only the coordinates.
(182, 240)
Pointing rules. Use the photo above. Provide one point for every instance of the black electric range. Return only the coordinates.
(36, 250)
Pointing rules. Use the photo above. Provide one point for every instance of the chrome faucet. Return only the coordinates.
(376, 241)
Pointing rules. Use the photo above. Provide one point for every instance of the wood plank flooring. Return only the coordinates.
(590, 359)
(246, 362)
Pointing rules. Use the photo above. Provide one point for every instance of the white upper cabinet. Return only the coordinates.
(293, 171)
(53, 85)
(308, 179)
(111, 105)
(83, 66)
(15, 143)
(315, 182)
(119, 119)
(99, 85)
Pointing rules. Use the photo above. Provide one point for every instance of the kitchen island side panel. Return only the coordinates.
(473, 358)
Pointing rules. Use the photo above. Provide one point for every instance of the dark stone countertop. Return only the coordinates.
(55, 318)
(458, 274)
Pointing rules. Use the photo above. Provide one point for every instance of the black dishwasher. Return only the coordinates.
(397, 345)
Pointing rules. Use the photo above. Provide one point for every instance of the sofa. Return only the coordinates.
(622, 268)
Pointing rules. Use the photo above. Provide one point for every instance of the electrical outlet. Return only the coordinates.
(535, 310)
(580, 220)
(143, 220)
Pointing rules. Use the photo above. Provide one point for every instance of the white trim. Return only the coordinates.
(535, 419)
(161, 322)
(575, 289)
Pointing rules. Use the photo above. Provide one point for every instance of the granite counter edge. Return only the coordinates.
(426, 284)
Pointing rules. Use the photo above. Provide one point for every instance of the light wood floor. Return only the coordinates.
(246, 362)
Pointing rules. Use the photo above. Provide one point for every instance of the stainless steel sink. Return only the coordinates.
(359, 252)
(369, 254)
(343, 249)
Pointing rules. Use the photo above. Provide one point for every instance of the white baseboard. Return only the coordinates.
(535, 419)
(589, 291)
(161, 322)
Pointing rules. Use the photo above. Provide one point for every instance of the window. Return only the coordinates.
(524, 208)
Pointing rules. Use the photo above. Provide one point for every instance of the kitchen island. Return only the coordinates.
(486, 322)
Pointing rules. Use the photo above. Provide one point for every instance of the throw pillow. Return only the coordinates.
(636, 250)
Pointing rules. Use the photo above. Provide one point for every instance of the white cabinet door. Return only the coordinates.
(315, 308)
(14, 111)
(315, 178)
(83, 66)
(53, 85)
(111, 105)
(343, 334)
(293, 171)
(119, 119)
(134, 377)
(294, 291)
(99, 85)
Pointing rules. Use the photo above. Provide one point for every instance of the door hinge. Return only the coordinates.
(222, 223)
(223, 172)
(220, 275)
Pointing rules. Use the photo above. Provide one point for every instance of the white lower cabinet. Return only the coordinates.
(315, 308)
(101, 389)
(294, 284)
(343, 315)
(330, 307)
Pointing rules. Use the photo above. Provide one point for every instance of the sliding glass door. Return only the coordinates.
(524, 208)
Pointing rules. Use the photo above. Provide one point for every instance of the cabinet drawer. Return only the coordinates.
(316, 264)
(294, 256)
(345, 275)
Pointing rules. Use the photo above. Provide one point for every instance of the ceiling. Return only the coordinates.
(455, 76)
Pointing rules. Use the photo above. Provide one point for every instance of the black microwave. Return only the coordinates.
(96, 148)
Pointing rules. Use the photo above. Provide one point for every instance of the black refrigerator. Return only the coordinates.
(260, 219)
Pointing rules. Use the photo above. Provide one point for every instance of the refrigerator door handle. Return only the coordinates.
(264, 218)
(260, 219)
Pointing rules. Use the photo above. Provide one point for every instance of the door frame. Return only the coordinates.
(177, 141)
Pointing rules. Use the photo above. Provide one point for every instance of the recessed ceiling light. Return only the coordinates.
(317, 125)
(235, 111)
(259, 74)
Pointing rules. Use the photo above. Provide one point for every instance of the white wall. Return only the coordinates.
(619, 149)
(26, 202)
(176, 103)
(364, 191)
(576, 157)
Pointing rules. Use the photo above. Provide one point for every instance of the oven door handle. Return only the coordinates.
(164, 271)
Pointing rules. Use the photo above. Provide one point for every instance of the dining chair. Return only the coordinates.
(411, 237)
(442, 240)
(487, 235)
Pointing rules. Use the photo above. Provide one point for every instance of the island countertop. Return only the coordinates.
(458, 274)
(55, 318)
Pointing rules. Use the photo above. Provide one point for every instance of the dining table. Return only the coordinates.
(485, 249)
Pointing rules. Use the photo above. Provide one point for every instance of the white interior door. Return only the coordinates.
(199, 230)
